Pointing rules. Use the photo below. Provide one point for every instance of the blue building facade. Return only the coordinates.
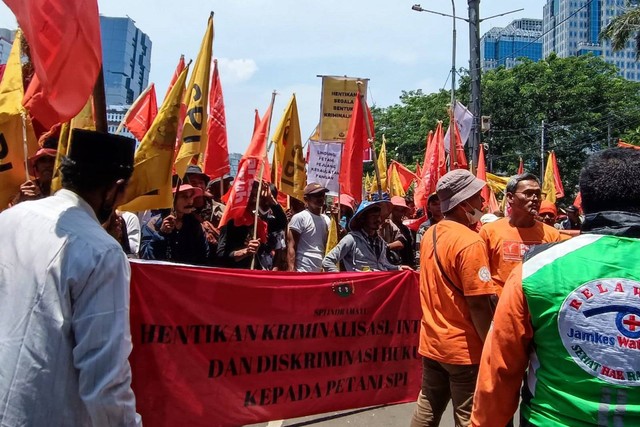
(126, 54)
(572, 27)
(506, 46)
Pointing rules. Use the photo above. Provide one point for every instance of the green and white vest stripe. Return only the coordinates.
(584, 300)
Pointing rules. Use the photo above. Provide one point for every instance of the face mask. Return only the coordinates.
(475, 216)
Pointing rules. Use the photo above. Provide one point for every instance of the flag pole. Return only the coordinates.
(260, 175)
(23, 115)
(100, 103)
(370, 140)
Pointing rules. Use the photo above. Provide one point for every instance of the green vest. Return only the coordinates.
(584, 300)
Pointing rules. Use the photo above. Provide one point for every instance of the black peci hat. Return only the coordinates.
(102, 152)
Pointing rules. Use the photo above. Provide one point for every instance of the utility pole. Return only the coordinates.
(542, 136)
(474, 73)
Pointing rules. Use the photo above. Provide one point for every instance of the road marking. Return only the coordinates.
(277, 423)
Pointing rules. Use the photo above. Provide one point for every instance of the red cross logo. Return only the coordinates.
(631, 322)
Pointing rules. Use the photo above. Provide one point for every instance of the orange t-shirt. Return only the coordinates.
(447, 333)
(506, 245)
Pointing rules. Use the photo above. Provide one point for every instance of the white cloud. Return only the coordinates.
(236, 70)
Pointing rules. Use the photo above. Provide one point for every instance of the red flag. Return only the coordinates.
(578, 201)
(406, 176)
(481, 173)
(216, 158)
(176, 74)
(353, 152)
(521, 167)
(556, 177)
(460, 161)
(141, 114)
(434, 167)
(418, 169)
(248, 172)
(65, 48)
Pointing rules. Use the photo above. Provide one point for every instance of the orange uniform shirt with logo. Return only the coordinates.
(506, 245)
(447, 333)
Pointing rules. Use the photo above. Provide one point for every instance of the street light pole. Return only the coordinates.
(453, 158)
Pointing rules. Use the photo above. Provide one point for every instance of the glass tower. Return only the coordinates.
(126, 54)
(572, 27)
(504, 46)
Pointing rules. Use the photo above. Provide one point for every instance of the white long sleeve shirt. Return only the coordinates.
(64, 318)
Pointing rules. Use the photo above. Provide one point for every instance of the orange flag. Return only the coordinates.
(521, 167)
(556, 177)
(216, 158)
(248, 172)
(433, 168)
(353, 151)
(460, 160)
(63, 37)
(405, 175)
(481, 173)
(142, 113)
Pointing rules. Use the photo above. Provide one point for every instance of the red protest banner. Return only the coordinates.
(217, 347)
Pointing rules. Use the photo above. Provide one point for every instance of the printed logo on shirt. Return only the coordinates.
(599, 324)
(514, 250)
(484, 274)
(343, 289)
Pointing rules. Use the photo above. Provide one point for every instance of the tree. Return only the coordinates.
(406, 125)
(581, 100)
(624, 27)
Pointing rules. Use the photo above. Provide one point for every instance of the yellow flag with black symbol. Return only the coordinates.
(15, 128)
(150, 184)
(289, 153)
(193, 141)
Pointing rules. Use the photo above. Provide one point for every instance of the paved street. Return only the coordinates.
(378, 416)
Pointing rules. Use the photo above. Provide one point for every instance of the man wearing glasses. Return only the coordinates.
(509, 238)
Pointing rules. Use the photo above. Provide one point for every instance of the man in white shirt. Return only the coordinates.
(308, 231)
(64, 297)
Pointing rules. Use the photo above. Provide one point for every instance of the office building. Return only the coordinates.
(115, 115)
(572, 27)
(126, 53)
(6, 41)
(234, 160)
(505, 46)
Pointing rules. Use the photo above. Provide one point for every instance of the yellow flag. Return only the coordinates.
(13, 121)
(548, 183)
(194, 130)
(332, 238)
(497, 183)
(382, 167)
(288, 143)
(395, 185)
(84, 120)
(150, 183)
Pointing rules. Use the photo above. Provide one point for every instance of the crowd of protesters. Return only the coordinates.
(469, 262)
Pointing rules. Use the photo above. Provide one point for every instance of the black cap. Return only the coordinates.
(102, 152)
(195, 170)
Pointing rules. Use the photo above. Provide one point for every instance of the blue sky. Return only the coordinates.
(282, 45)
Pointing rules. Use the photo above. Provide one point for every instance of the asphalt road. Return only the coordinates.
(377, 416)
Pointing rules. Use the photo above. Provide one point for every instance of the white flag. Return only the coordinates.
(464, 118)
